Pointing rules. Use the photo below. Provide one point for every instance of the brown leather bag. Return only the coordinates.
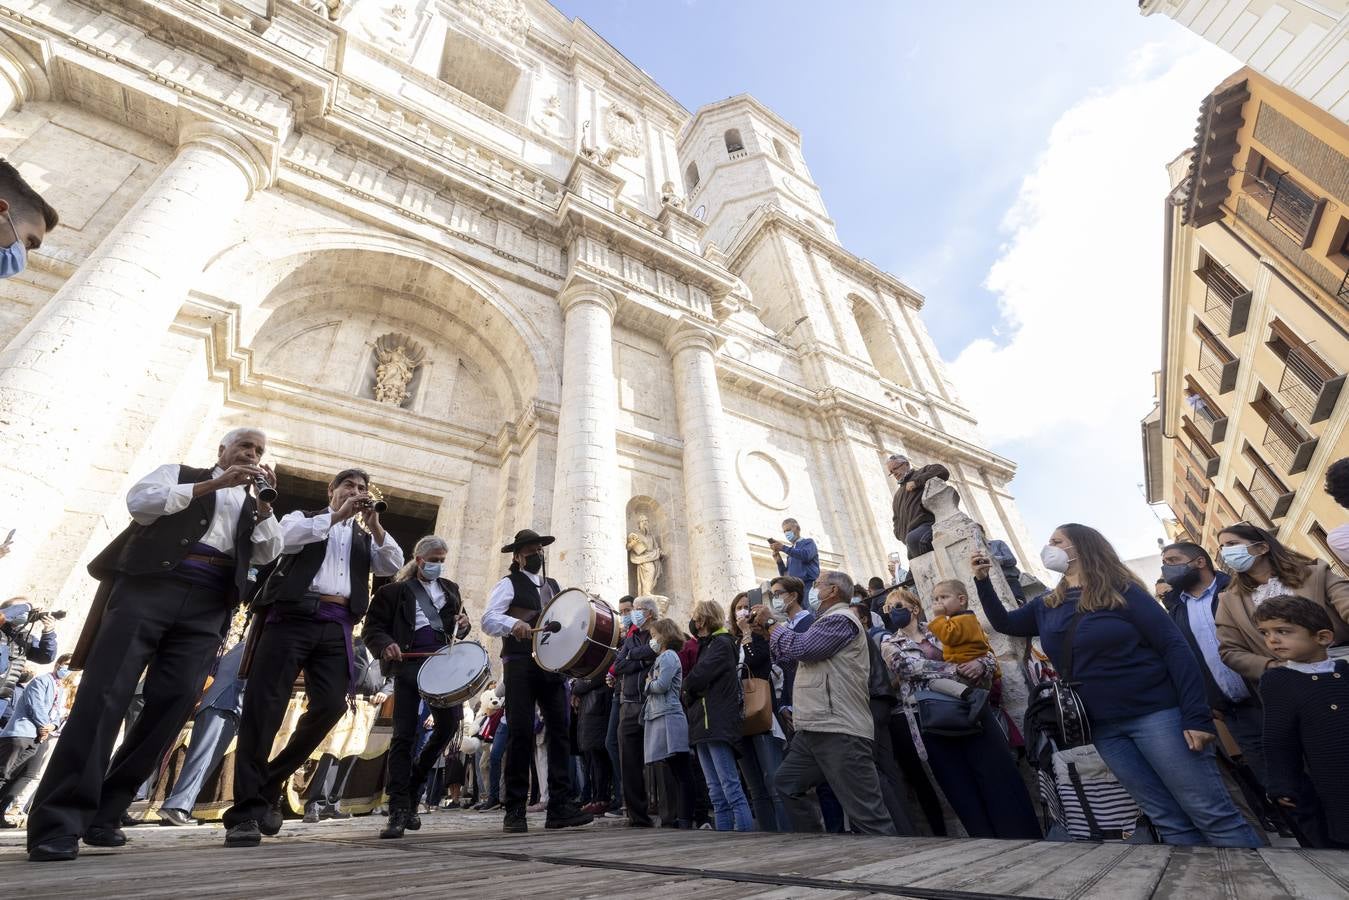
(757, 706)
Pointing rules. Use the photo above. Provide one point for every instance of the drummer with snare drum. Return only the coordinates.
(513, 610)
(411, 618)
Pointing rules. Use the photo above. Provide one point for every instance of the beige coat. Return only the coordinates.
(1239, 642)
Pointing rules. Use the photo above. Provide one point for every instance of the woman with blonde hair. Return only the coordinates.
(713, 705)
(666, 729)
(1138, 679)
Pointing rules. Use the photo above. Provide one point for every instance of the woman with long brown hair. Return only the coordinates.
(1262, 567)
(1138, 679)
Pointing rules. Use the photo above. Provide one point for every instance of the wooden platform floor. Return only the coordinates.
(465, 853)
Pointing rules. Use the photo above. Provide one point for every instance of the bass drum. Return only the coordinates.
(586, 639)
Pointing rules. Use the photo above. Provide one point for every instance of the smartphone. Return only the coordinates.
(755, 596)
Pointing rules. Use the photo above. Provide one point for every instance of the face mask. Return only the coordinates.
(1238, 557)
(639, 617)
(62, 672)
(814, 600)
(654, 644)
(1055, 559)
(693, 630)
(790, 536)
(431, 571)
(14, 258)
(626, 619)
(533, 562)
(1180, 576)
(777, 604)
(900, 617)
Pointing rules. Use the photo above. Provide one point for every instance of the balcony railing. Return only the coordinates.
(1211, 422)
(1288, 444)
(1343, 293)
(1205, 459)
(1191, 529)
(1309, 385)
(1217, 365)
(1271, 495)
(1196, 511)
(1198, 484)
(1226, 303)
(1295, 210)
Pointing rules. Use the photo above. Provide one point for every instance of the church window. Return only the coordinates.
(881, 345)
(781, 150)
(734, 143)
(691, 178)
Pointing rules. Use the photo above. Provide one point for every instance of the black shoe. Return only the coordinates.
(398, 820)
(568, 817)
(414, 822)
(488, 805)
(129, 821)
(62, 849)
(245, 834)
(312, 814)
(170, 816)
(105, 836)
(641, 823)
(332, 812)
(272, 820)
(515, 822)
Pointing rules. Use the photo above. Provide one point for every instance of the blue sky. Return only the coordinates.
(1007, 161)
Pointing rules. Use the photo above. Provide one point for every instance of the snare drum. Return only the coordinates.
(587, 640)
(455, 674)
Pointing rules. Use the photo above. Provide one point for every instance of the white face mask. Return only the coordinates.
(655, 645)
(1055, 559)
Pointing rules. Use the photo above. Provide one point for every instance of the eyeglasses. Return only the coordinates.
(778, 594)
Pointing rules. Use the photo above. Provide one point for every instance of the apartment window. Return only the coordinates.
(734, 143)
(1309, 385)
(691, 177)
(1285, 440)
(1217, 365)
(1292, 207)
(1227, 302)
(1206, 457)
(1318, 534)
(1207, 415)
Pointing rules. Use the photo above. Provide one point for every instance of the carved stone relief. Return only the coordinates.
(622, 131)
(397, 359)
(506, 20)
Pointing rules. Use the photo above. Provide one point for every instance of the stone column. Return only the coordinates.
(67, 375)
(587, 513)
(717, 541)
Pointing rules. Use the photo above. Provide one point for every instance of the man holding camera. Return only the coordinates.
(317, 593)
(168, 584)
(27, 634)
(803, 557)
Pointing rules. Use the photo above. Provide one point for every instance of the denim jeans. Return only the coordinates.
(494, 764)
(919, 541)
(1180, 791)
(730, 809)
(760, 756)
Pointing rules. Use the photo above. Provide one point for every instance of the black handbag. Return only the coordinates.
(947, 716)
(1056, 706)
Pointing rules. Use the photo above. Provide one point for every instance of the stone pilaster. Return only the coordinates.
(65, 378)
(717, 543)
(587, 513)
(21, 78)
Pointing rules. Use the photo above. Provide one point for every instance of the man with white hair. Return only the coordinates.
(168, 584)
(634, 662)
(913, 521)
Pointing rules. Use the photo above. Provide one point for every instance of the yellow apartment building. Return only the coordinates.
(1256, 320)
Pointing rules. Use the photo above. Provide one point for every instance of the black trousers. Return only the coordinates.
(631, 752)
(286, 648)
(173, 627)
(600, 771)
(893, 789)
(407, 777)
(527, 687)
(911, 764)
(16, 756)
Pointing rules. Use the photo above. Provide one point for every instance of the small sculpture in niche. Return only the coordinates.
(645, 554)
(670, 197)
(396, 361)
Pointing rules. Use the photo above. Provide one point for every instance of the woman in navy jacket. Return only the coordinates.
(1139, 681)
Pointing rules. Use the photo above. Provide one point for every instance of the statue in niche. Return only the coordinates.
(396, 362)
(670, 197)
(645, 554)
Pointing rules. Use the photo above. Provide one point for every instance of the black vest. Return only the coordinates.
(527, 596)
(155, 549)
(295, 572)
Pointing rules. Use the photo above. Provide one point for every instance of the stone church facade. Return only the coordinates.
(467, 245)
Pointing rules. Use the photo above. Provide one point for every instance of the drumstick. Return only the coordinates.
(550, 627)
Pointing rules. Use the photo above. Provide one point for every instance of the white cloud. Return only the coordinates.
(1078, 283)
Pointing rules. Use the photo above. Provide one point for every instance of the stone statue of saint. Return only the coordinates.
(644, 552)
(396, 362)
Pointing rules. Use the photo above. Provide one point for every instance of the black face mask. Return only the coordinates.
(900, 617)
(533, 563)
(692, 630)
(1181, 577)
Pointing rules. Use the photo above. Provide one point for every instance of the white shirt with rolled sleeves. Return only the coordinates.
(159, 494)
(495, 621)
(334, 576)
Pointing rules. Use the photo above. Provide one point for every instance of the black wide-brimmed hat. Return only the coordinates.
(525, 537)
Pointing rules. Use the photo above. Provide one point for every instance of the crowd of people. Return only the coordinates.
(1215, 707)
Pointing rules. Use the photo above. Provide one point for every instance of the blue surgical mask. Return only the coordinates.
(626, 619)
(431, 570)
(899, 617)
(1238, 557)
(777, 604)
(62, 672)
(638, 617)
(14, 258)
(790, 536)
